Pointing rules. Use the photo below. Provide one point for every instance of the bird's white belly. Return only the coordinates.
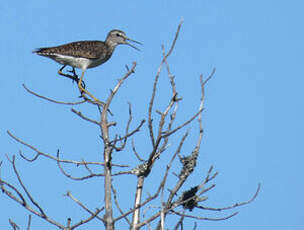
(97, 62)
(77, 62)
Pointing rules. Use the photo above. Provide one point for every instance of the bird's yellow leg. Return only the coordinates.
(74, 77)
(83, 90)
(60, 71)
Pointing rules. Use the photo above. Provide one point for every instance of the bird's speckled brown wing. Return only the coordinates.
(85, 49)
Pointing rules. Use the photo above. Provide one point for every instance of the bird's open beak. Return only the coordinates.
(129, 44)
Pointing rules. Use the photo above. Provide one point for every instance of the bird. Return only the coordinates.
(86, 54)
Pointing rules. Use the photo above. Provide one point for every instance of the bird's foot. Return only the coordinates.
(98, 102)
(73, 72)
(83, 85)
(84, 93)
(73, 77)
(93, 100)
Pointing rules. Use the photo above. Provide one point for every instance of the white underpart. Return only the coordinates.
(77, 62)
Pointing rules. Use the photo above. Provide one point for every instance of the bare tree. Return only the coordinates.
(174, 200)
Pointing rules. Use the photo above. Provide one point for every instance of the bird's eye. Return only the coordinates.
(118, 34)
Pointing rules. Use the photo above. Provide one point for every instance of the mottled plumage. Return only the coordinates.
(86, 49)
(96, 52)
(86, 54)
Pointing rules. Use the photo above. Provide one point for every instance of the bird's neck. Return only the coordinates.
(111, 45)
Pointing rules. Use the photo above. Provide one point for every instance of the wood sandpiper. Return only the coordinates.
(86, 54)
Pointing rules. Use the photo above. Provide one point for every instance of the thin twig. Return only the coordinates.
(13, 224)
(29, 222)
(151, 103)
(81, 222)
(120, 82)
(135, 152)
(91, 175)
(24, 188)
(118, 206)
(205, 218)
(69, 194)
(38, 153)
(236, 204)
(22, 202)
(182, 125)
(52, 100)
(84, 117)
(179, 223)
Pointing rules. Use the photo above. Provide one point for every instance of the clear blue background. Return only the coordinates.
(253, 120)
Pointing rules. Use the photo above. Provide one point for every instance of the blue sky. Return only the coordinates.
(253, 120)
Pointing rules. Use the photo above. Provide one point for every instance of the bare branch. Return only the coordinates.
(86, 220)
(175, 39)
(84, 117)
(137, 129)
(138, 196)
(69, 194)
(108, 149)
(183, 125)
(179, 223)
(29, 222)
(151, 103)
(235, 205)
(209, 77)
(171, 77)
(38, 153)
(161, 187)
(127, 135)
(135, 152)
(52, 100)
(205, 218)
(149, 199)
(91, 175)
(14, 225)
(118, 206)
(24, 188)
(22, 202)
(116, 88)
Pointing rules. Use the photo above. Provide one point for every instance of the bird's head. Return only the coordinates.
(116, 37)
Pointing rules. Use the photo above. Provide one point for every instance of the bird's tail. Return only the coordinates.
(40, 51)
